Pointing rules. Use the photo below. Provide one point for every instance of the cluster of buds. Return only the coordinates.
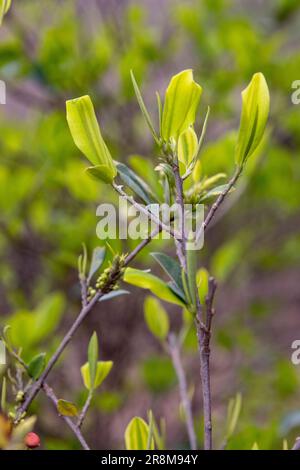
(109, 277)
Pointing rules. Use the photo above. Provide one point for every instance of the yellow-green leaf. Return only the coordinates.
(181, 104)
(254, 116)
(202, 283)
(136, 435)
(87, 136)
(66, 408)
(187, 146)
(4, 7)
(156, 317)
(103, 369)
(93, 358)
(146, 280)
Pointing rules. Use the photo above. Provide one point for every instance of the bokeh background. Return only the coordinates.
(54, 50)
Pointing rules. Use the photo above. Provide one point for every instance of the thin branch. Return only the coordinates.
(75, 428)
(181, 243)
(84, 410)
(34, 390)
(173, 348)
(145, 211)
(50, 394)
(204, 335)
(218, 203)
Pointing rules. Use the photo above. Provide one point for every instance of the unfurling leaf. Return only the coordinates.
(254, 116)
(87, 136)
(37, 365)
(102, 371)
(187, 146)
(181, 104)
(66, 408)
(93, 357)
(156, 318)
(147, 280)
(136, 435)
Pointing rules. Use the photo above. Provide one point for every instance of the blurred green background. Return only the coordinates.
(53, 50)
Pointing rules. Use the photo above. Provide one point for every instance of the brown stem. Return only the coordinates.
(84, 410)
(218, 202)
(75, 428)
(181, 243)
(204, 335)
(183, 389)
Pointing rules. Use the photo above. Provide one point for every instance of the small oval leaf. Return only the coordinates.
(66, 408)
(156, 318)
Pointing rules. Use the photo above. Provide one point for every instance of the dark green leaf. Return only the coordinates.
(134, 182)
(171, 267)
(37, 365)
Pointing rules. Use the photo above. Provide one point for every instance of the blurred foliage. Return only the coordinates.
(48, 204)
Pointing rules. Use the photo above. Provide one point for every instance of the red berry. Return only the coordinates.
(32, 440)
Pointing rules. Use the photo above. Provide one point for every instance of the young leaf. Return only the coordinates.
(156, 318)
(136, 435)
(66, 408)
(254, 116)
(187, 146)
(181, 104)
(87, 136)
(143, 107)
(102, 371)
(97, 260)
(36, 366)
(134, 182)
(171, 267)
(93, 357)
(154, 284)
(202, 283)
(197, 153)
